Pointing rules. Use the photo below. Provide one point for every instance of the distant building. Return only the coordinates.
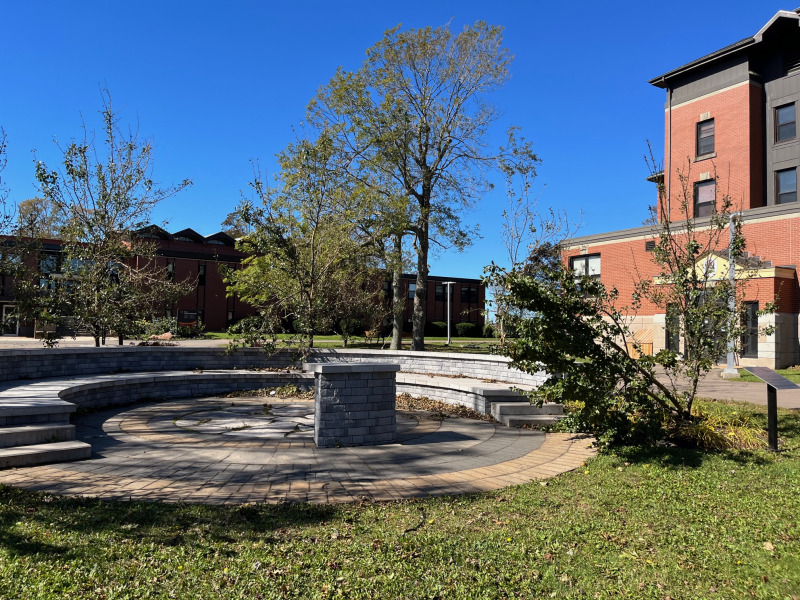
(733, 113)
(188, 255)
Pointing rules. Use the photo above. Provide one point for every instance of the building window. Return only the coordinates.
(705, 137)
(469, 294)
(705, 196)
(170, 271)
(749, 341)
(585, 266)
(201, 275)
(785, 123)
(786, 186)
(412, 289)
(439, 292)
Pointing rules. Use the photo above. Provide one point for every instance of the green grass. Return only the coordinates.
(659, 523)
(435, 344)
(792, 375)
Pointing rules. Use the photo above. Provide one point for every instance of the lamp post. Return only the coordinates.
(448, 284)
(730, 368)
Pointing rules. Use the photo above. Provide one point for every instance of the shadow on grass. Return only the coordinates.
(153, 522)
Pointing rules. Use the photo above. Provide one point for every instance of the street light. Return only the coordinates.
(448, 284)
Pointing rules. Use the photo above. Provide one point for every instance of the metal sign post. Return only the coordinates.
(774, 383)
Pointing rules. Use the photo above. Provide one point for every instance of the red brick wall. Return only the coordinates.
(624, 263)
(738, 138)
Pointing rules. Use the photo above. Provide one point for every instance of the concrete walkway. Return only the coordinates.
(153, 452)
(713, 386)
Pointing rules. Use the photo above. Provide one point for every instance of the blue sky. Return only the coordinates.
(216, 84)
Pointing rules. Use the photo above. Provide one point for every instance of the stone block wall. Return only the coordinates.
(354, 404)
(74, 362)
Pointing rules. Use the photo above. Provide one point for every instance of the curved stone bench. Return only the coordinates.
(34, 417)
(32, 413)
(72, 362)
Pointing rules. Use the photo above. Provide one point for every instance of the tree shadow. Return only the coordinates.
(158, 523)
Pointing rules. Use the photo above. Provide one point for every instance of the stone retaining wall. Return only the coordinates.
(123, 389)
(73, 362)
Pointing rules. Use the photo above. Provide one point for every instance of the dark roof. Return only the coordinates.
(661, 80)
(223, 237)
(190, 234)
(153, 231)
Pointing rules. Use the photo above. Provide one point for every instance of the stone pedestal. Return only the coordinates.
(354, 404)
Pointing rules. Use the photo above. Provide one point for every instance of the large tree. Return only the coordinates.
(105, 278)
(414, 121)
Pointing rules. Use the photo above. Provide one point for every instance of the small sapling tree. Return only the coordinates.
(574, 327)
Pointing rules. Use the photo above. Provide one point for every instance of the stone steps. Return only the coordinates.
(37, 454)
(520, 414)
(28, 435)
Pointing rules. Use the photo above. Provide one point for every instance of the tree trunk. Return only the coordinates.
(421, 294)
(398, 302)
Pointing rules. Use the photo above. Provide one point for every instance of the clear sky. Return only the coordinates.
(216, 84)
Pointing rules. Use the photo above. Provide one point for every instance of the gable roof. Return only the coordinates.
(189, 234)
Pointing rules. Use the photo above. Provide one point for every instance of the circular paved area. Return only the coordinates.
(217, 450)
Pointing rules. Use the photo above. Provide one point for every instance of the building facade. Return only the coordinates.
(730, 123)
(189, 256)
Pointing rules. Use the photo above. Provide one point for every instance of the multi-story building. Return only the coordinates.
(730, 123)
(189, 256)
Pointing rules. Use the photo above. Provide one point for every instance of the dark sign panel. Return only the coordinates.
(770, 377)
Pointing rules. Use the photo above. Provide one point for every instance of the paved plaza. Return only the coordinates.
(220, 451)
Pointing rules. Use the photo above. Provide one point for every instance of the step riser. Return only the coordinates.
(27, 456)
(502, 410)
(28, 436)
(539, 421)
(20, 420)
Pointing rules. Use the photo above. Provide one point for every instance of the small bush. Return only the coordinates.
(466, 329)
(436, 329)
(488, 330)
(157, 326)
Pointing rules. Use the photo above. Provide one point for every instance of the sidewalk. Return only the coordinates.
(713, 386)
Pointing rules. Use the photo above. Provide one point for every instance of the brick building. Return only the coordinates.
(467, 300)
(730, 122)
(188, 255)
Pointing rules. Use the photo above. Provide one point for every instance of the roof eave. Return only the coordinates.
(661, 80)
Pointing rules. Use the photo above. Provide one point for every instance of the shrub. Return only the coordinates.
(466, 329)
(436, 329)
(488, 330)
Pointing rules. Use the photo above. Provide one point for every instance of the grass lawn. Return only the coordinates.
(434, 344)
(661, 523)
(792, 375)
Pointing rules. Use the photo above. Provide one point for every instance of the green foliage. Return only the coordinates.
(561, 320)
(308, 262)
(466, 329)
(104, 277)
(414, 124)
(436, 329)
(256, 331)
(157, 326)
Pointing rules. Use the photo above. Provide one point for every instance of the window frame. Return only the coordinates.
(778, 138)
(585, 258)
(778, 192)
(697, 204)
(700, 139)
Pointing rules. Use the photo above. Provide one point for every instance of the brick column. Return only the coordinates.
(354, 404)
